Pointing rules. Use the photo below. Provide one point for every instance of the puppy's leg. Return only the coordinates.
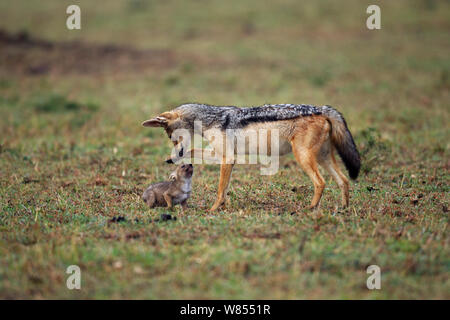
(225, 174)
(184, 206)
(168, 199)
(149, 198)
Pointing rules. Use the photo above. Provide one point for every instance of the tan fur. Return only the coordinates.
(170, 115)
(225, 175)
(307, 140)
(310, 140)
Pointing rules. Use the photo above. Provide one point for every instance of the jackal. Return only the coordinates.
(170, 193)
(312, 133)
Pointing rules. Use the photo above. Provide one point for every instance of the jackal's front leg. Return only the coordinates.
(225, 175)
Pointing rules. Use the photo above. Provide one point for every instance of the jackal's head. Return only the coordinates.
(169, 121)
(177, 128)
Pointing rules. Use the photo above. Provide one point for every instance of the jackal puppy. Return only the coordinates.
(170, 193)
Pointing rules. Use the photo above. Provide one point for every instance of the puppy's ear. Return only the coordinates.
(173, 176)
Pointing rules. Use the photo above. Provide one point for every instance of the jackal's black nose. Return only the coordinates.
(169, 160)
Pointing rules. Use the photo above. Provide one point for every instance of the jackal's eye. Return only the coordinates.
(183, 166)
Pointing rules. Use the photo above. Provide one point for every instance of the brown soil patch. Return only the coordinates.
(22, 54)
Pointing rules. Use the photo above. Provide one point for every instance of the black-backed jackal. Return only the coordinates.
(311, 133)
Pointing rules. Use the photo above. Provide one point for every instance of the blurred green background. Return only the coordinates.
(73, 154)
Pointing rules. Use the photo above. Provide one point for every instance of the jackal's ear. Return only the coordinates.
(155, 122)
(169, 115)
(161, 120)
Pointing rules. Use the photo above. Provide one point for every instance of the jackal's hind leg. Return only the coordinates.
(328, 162)
(308, 162)
(306, 145)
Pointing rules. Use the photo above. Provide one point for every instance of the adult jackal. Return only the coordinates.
(312, 133)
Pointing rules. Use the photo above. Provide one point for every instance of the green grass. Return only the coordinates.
(73, 154)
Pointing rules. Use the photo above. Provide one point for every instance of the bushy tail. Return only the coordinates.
(343, 141)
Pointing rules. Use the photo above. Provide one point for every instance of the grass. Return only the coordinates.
(73, 154)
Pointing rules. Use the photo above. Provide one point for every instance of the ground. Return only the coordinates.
(74, 159)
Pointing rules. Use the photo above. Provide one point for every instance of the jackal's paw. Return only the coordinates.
(312, 208)
(217, 205)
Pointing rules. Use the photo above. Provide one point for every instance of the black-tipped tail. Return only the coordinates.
(343, 141)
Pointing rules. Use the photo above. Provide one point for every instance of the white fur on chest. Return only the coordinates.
(186, 188)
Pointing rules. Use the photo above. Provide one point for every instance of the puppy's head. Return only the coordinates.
(183, 171)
